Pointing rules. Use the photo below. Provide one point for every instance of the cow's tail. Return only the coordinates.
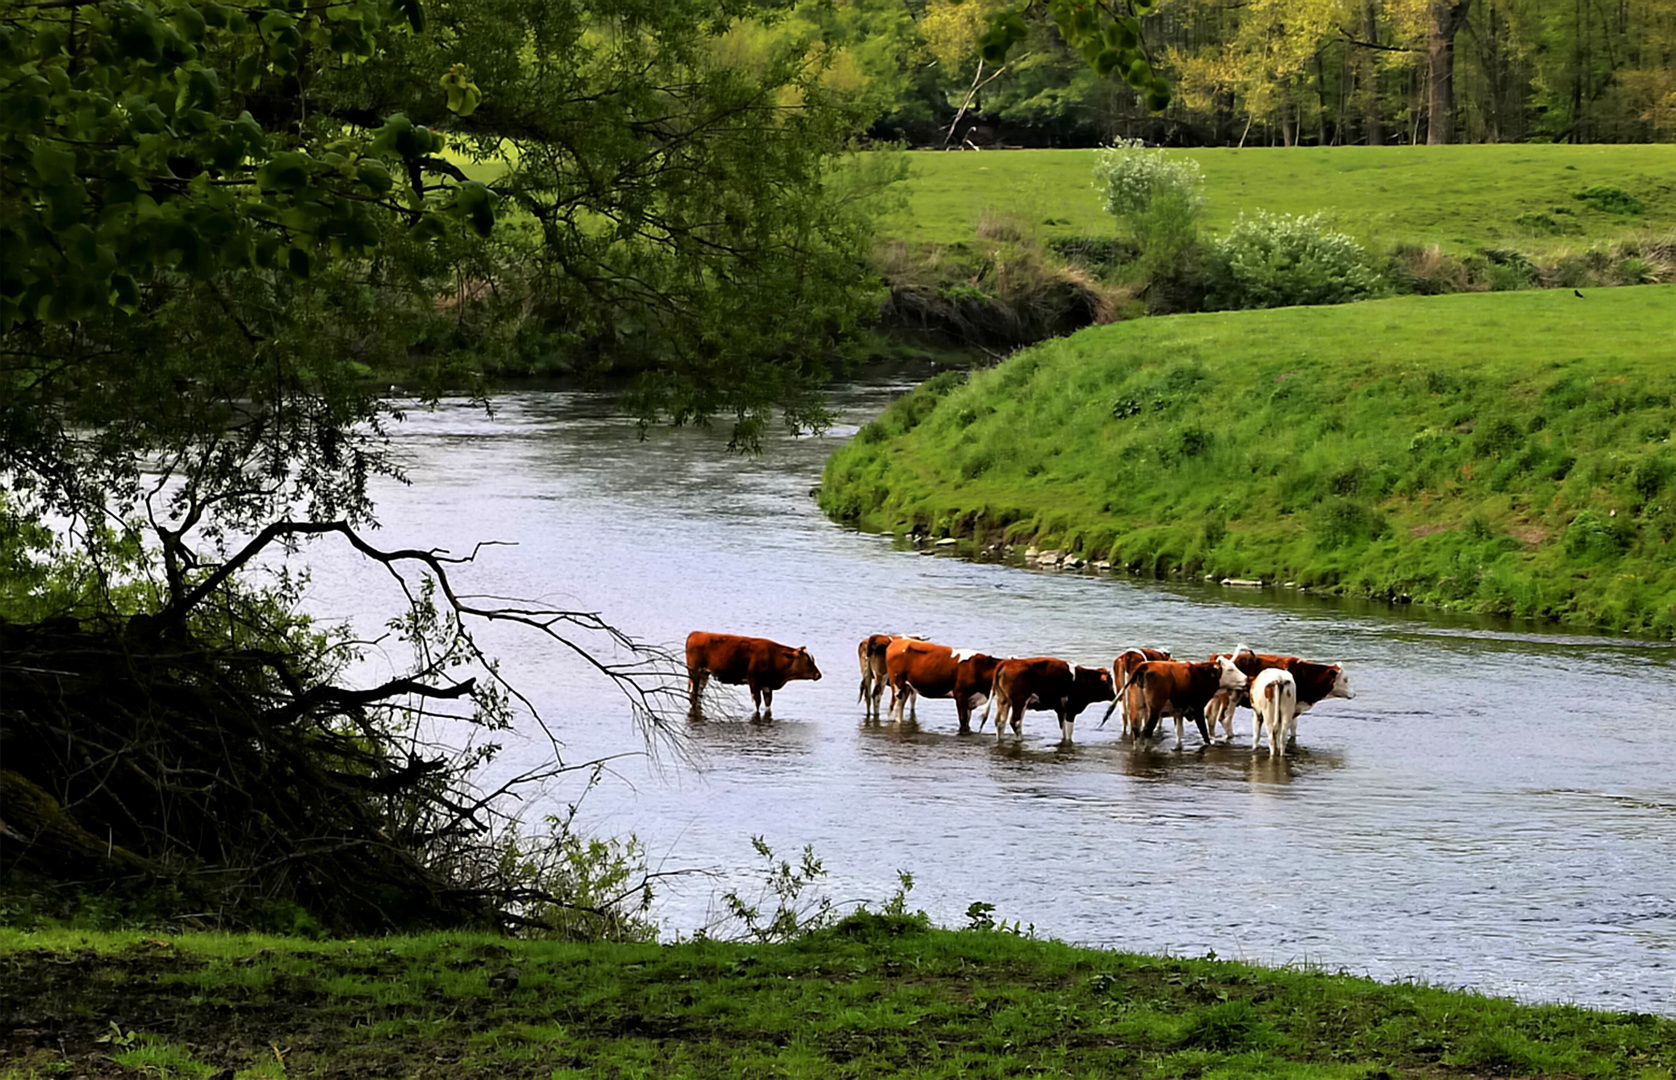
(1117, 699)
(866, 673)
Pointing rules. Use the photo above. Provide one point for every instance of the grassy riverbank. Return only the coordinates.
(1459, 197)
(1501, 452)
(875, 996)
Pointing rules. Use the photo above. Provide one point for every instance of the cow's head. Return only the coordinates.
(1095, 684)
(1230, 677)
(1341, 683)
(803, 666)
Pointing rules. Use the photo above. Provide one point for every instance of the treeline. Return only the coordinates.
(1267, 72)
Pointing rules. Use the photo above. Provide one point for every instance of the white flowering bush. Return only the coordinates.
(1130, 177)
(1278, 260)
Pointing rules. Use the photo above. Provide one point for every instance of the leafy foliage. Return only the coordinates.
(1279, 260)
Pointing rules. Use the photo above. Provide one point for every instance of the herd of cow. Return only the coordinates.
(1145, 683)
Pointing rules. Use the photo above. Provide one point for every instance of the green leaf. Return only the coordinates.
(414, 11)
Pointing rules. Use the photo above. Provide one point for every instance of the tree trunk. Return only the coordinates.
(1372, 124)
(1448, 16)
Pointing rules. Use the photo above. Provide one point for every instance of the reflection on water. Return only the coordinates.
(1464, 820)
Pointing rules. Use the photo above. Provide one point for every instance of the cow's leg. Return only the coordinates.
(1179, 729)
(1067, 725)
(963, 713)
(767, 703)
(756, 701)
(1256, 727)
(696, 679)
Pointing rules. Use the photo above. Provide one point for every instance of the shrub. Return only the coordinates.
(1131, 177)
(1157, 201)
(1278, 260)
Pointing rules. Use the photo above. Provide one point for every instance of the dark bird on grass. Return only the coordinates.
(1577, 294)
(505, 980)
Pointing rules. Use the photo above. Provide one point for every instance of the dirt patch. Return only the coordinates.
(1529, 535)
(1427, 530)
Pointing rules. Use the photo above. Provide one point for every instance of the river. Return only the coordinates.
(1494, 810)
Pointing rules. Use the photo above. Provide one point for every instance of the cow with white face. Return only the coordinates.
(1315, 682)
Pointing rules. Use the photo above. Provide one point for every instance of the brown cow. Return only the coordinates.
(1046, 684)
(874, 677)
(763, 665)
(916, 667)
(1124, 666)
(1160, 688)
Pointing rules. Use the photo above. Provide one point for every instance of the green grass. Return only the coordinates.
(1501, 452)
(874, 996)
(1461, 197)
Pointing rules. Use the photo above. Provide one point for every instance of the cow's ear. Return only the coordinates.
(803, 650)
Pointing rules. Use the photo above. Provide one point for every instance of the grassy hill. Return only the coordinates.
(1503, 452)
(875, 996)
(1461, 197)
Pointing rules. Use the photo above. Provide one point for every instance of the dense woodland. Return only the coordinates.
(1275, 72)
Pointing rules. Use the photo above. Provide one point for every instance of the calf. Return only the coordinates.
(1124, 666)
(915, 667)
(1045, 683)
(1274, 705)
(759, 663)
(1160, 688)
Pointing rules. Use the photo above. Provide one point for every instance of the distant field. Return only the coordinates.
(1502, 452)
(1462, 197)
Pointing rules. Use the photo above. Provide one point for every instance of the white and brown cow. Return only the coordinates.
(874, 676)
(1181, 689)
(1315, 681)
(1124, 666)
(916, 668)
(1046, 683)
(1274, 705)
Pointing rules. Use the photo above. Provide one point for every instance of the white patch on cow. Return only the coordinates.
(1232, 678)
(1341, 684)
(1274, 700)
(963, 655)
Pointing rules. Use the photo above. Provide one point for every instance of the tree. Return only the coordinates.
(218, 225)
(1447, 17)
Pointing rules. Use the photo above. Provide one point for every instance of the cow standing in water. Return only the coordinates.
(1046, 683)
(1274, 705)
(875, 676)
(919, 668)
(1160, 688)
(1123, 667)
(1315, 682)
(758, 663)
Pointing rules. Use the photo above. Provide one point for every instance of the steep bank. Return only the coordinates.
(1504, 452)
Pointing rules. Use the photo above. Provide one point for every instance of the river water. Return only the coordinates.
(1496, 809)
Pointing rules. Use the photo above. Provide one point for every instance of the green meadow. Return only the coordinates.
(1460, 197)
(876, 995)
(1497, 452)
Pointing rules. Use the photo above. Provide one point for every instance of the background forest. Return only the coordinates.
(1268, 72)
